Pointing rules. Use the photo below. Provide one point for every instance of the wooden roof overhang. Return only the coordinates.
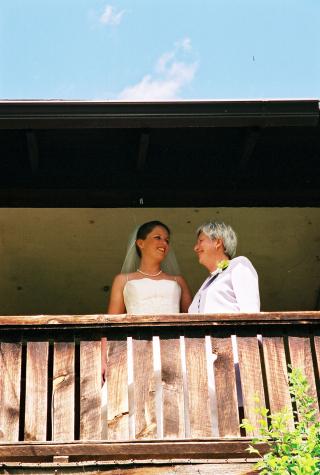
(174, 154)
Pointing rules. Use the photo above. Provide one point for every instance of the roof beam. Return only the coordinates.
(146, 115)
(143, 151)
(251, 139)
(33, 151)
(157, 198)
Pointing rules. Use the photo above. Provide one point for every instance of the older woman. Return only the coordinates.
(232, 285)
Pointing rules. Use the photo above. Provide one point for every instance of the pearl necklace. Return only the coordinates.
(149, 275)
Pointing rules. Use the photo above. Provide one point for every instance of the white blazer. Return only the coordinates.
(236, 289)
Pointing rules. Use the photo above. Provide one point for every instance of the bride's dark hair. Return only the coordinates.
(146, 229)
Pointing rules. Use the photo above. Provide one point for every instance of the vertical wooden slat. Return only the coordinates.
(90, 390)
(251, 379)
(317, 349)
(301, 357)
(211, 357)
(158, 385)
(63, 397)
(185, 387)
(277, 375)
(228, 416)
(117, 389)
(10, 374)
(36, 391)
(144, 389)
(197, 380)
(131, 405)
(173, 410)
(317, 354)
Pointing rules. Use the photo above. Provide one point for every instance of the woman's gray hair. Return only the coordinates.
(216, 230)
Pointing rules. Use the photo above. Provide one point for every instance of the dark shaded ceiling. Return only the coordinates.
(263, 153)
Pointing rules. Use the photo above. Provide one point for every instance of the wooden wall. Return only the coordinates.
(63, 261)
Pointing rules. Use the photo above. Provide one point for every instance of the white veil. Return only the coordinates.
(132, 260)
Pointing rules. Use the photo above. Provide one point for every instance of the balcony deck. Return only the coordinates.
(170, 403)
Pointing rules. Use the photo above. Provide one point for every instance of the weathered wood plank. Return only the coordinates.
(36, 391)
(211, 357)
(173, 405)
(144, 389)
(301, 357)
(191, 469)
(251, 379)
(227, 402)
(317, 355)
(141, 450)
(63, 397)
(263, 318)
(198, 391)
(117, 389)
(90, 390)
(187, 468)
(10, 374)
(317, 350)
(277, 375)
(158, 385)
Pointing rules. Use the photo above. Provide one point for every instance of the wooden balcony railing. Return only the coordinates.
(170, 392)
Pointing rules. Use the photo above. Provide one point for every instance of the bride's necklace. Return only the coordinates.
(149, 275)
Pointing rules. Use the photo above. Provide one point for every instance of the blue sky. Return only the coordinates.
(159, 49)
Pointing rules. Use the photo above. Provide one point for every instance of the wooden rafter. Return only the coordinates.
(143, 151)
(33, 151)
(252, 137)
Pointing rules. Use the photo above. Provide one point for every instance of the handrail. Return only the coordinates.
(127, 320)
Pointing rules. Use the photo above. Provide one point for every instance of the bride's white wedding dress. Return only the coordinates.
(147, 296)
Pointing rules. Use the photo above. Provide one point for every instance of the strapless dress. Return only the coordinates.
(148, 296)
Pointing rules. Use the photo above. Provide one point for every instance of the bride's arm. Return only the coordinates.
(116, 302)
(186, 297)
(116, 306)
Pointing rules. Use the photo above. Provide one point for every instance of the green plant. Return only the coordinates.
(294, 451)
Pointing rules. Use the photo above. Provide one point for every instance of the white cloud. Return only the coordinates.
(170, 76)
(163, 61)
(110, 16)
(182, 72)
(184, 44)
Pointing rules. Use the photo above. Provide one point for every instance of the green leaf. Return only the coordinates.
(292, 452)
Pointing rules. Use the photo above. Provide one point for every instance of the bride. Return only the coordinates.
(146, 284)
